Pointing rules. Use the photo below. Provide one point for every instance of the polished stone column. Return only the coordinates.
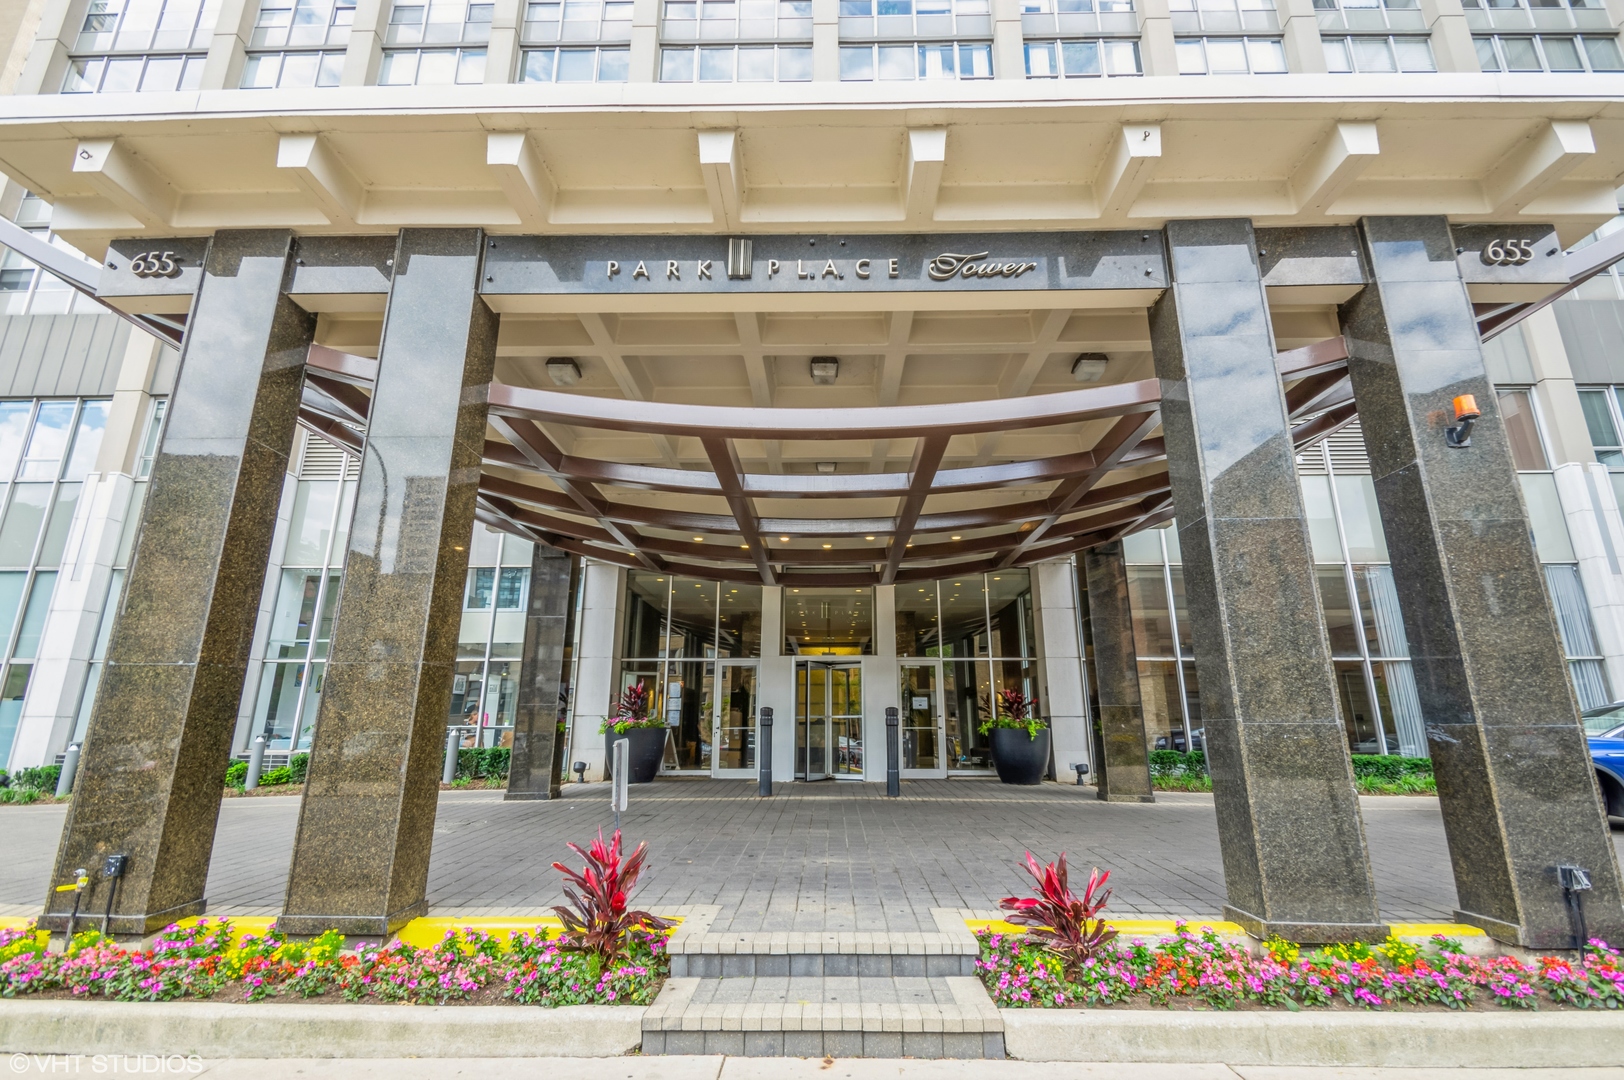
(1293, 843)
(1515, 782)
(1123, 771)
(361, 854)
(159, 740)
(549, 628)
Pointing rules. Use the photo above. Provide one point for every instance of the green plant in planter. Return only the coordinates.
(1015, 711)
(632, 711)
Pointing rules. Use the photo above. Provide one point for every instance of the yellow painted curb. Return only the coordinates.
(1124, 927)
(1428, 929)
(429, 931)
(21, 922)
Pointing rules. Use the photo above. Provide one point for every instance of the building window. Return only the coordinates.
(1548, 52)
(1224, 16)
(1081, 59)
(432, 67)
(914, 18)
(1230, 56)
(675, 632)
(745, 63)
(294, 69)
(47, 448)
(938, 60)
(734, 20)
(1378, 54)
(575, 65)
(128, 46)
(26, 290)
(1367, 16)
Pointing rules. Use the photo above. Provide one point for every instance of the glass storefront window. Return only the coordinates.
(919, 631)
(1010, 614)
(831, 621)
(648, 598)
(1152, 626)
(738, 622)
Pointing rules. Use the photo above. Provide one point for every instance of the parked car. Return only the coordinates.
(1178, 741)
(1604, 729)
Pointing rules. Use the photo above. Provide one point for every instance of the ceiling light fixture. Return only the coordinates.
(1089, 367)
(564, 371)
(826, 467)
(825, 370)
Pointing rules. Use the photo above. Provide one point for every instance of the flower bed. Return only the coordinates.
(1198, 970)
(208, 960)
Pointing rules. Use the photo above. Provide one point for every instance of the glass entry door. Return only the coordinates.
(828, 720)
(735, 721)
(922, 735)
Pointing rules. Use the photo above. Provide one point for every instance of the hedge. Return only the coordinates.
(1389, 767)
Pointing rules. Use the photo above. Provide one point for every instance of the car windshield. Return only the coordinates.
(1605, 720)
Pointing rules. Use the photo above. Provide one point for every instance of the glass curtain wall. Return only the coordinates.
(983, 629)
(676, 633)
(485, 687)
(47, 447)
(27, 290)
(1375, 682)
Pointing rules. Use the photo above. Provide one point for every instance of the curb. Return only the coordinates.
(214, 1030)
(1499, 1039)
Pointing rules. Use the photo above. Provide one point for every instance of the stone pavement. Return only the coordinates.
(819, 857)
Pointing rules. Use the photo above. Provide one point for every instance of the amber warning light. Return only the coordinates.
(1466, 414)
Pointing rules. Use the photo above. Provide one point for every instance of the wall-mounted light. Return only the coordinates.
(826, 467)
(1090, 367)
(1466, 414)
(825, 370)
(563, 371)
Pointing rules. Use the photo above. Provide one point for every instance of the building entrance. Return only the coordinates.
(733, 720)
(924, 729)
(828, 720)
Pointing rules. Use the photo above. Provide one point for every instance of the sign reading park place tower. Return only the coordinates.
(937, 262)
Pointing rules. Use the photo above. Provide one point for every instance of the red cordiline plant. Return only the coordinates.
(1067, 926)
(599, 918)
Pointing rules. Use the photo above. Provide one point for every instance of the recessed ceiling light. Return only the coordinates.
(699, 539)
(826, 547)
(784, 539)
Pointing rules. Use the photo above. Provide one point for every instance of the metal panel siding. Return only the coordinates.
(1593, 335)
(61, 355)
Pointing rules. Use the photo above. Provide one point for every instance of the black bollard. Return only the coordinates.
(893, 764)
(764, 747)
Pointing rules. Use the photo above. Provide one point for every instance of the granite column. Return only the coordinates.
(159, 740)
(549, 631)
(361, 852)
(1295, 861)
(1515, 782)
(1123, 771)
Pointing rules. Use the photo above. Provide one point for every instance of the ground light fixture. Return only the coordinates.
(1466, 414)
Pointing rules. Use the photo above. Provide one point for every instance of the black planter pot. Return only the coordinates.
(1019, 758)
(646, 749)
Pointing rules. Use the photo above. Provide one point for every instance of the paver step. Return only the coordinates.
(698, 952)
(787, 1016)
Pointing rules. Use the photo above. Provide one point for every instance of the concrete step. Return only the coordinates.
(857, 1016)
(698, 952)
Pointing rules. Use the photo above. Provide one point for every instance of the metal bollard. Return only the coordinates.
(893, 764)
(764, 748)
(70, 766)
(453, 742)
(256, 763)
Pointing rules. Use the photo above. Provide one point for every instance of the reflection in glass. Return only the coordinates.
(49, 441)
(24, 517)
(829, 622)
(968, 683)
(1009, 609)
(1147, 597)
(738, 629)
(919, 631)
(736, 733)
(1357, 715)
(1159, 695)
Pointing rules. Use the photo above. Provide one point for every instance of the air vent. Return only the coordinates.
(322, 460)
(1346, 449)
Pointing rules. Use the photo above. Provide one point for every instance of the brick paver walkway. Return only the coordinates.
(815, 857)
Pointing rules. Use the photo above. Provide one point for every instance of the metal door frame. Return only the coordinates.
(940, 771)
(717, 708)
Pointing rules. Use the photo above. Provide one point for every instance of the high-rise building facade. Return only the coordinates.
(855, 360)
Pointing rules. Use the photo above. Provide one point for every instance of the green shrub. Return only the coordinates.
(42, 778)
(299, 765)
(1390, 767)
(23, 795)
(276, 777)
(237, 774)
(483, 763)
(1171, 763)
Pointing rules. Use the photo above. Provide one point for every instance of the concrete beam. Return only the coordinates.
(1332, 165)
(922, 180)
(719, 161)
(336, 191)
(1536, 163)
(524, 179)
(1126, 169)
(127, 182)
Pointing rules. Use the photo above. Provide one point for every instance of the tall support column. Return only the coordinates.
(1123, 773)
(361, 854)
(158, 743)
(549, 629)
(1295, 861)
(1515, 783)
